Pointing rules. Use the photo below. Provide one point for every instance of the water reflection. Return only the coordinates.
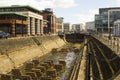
(69, 58)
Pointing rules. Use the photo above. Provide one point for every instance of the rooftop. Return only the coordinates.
(13, 13)
(21, 6)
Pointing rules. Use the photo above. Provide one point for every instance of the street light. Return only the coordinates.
(109, 34)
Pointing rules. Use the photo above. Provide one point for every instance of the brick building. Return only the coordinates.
(51, 18)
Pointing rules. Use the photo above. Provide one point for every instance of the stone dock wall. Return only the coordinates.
(15, 52)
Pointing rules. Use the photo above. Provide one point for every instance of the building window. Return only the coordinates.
(24, 30)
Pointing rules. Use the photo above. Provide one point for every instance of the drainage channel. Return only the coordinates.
(56, 65)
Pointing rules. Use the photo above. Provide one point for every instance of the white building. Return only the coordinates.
(77, 28)
(35, 22)
(66, 27)
(90, 26)
(116, 28)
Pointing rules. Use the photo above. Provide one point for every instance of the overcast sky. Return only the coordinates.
(73, 11)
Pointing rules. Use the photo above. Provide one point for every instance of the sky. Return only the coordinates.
(73, 11)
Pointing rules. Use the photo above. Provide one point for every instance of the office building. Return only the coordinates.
(116, 28)
(102, 19)
(90, 26)
(48, 15)
(21, 20)
(76, 28)
(59, 25)
(67, 27)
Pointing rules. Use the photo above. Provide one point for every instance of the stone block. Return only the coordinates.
(16, 73)
(32, 74)
(29, 65)
(63, 63)
(38, 72)
(26, 77)
(42, 68)
(58, 67)
(5, 77)
(35, 61)
(46, 78)
(52, 73)
(45, 65)
(54, 50)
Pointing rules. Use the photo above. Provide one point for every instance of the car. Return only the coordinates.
(4, 35)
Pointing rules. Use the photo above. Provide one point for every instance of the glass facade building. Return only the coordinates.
(101, 19)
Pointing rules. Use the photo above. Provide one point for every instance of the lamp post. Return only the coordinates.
(109, 35)
(109, 23)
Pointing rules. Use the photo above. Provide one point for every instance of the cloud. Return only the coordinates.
(117, 2)
(34, 3)
(40, 4)
(65, 3)
(86, 17)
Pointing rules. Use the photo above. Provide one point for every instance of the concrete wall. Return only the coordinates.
(25, 49)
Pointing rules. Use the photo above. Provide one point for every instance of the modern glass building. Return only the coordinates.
(101, 19)
(116, 29)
